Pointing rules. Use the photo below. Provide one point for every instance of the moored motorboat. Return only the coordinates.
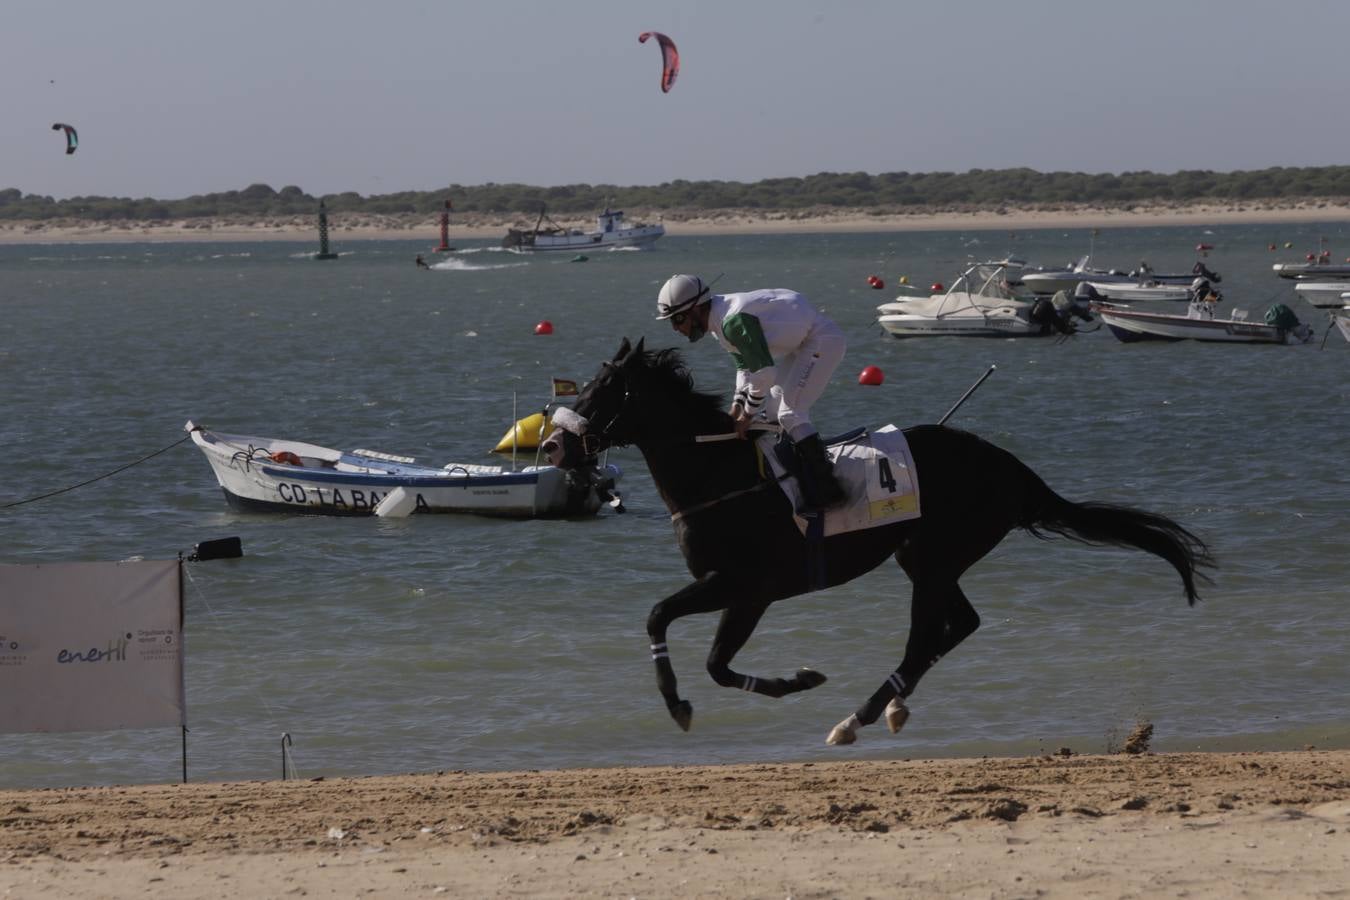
(610, 231)
(1323, 294)
(1318, 269)
(262, 474)
(1051, 281)
(1133, 292)
(979, 303)
(1130, 325)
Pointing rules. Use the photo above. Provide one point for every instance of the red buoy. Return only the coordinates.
(870, 375)
(1201, 248)
(1310, 257)
(1271, 247)
(876, 282)
(544, 327)
(936, 287)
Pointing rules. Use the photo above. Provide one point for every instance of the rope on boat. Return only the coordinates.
(97, 477)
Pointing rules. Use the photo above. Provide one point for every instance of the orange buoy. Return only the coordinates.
(544, 327)
(287, 457)
(870, 375)
(936, 287)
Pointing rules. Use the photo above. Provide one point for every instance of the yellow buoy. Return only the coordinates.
(528, 433)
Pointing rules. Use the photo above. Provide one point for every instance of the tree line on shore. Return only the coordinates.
(894, 191)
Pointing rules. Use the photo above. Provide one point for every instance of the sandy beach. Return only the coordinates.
(1176, 825)
(465, 226)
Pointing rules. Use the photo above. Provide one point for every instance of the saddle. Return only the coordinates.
(875, 468)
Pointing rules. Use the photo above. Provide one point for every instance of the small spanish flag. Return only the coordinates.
(564, 388)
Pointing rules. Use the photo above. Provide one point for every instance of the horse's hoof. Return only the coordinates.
(897, 714)
(683, 714)
(841, 735)
(809, 678)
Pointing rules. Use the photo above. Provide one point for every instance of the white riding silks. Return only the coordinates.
(568, 420)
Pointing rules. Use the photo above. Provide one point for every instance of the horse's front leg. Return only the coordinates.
(709, 594)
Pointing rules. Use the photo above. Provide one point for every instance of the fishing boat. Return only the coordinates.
(610, 231)
(979, 303)
(1130, 325)
(262, 474)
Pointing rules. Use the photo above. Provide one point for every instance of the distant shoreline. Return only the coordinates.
(477, 226)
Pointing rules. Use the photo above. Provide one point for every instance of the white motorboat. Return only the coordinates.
(261, 474)
(1323, 294)
(980, 303)
(610, 231)
(1051, 281)
(1130, 325)
(1130, 292)
(1316, 269)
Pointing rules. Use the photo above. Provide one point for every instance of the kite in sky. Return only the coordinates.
(670, 58)
(72, 139)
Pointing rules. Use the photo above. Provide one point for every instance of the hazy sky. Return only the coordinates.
(179, 97)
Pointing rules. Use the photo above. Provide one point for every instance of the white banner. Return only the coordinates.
(91, 646)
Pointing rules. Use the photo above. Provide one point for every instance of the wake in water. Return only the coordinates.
(463, 265)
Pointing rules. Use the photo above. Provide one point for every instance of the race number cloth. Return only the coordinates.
(877, 472)
(91, 646)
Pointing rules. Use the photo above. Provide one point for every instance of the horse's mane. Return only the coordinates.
(667, 371)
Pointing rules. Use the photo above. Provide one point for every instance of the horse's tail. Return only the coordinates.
(1120, 526)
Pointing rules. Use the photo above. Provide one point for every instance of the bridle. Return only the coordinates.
(580, 426)
(594, 443)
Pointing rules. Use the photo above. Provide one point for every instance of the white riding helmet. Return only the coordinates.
(679, 294)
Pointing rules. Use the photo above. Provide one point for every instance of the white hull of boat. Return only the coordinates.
(322, 481)
(1312, 270)
(1131, 293)
(1323, 294)
(968, 322)
(1051, 281)
(1131, 325)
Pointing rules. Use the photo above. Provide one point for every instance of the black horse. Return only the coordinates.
(736, 528)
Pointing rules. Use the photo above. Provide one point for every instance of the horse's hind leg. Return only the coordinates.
(738, 623)
(942, 617)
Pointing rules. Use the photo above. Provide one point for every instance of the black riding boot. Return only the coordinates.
(820, 489)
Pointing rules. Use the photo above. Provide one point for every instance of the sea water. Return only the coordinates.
(456, 642)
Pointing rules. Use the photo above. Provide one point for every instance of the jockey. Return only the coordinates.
(785, 351)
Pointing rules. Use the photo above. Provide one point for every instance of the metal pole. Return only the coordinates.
(990, 371)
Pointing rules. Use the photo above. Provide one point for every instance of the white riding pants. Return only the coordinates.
(806, 374)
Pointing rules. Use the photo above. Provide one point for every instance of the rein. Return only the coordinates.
(708, 504)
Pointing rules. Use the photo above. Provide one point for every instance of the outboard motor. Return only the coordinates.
(1086, 294)
(1053, 314)
(1203, 271)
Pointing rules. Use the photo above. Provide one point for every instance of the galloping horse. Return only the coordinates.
(736, 529)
